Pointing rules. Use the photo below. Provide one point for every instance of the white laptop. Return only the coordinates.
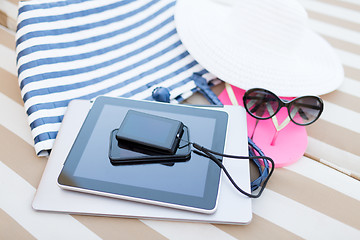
(231, 206)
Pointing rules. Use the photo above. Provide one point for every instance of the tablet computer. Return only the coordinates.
(191, 185)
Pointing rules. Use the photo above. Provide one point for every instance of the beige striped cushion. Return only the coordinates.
(304, 200)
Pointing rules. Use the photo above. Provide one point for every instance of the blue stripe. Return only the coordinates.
(54, 60)
(202, 72)
(179, 98)
(72, 72)
(45, 136)
(66, 16)
(94, 39)
(181, 83)
(46, 120)
(51, 105)
(48, 5)
(88, 26)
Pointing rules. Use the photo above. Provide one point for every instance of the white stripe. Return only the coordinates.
(321, 173)
(13, 117)
(47, 112)
(351, 87)
(176, 92)
(48, 127)
(183, 230)
(335, 155)
(33, 2)
(209, 76)
(40, 147)
(184, 95)
(349, 59)
(7, 60)
(16, 197)
(335, 31)
(332, 10)
(9, 9)
(61, 9)
(341, 116)
(299, 219)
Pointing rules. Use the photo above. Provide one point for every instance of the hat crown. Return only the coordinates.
(269, 25)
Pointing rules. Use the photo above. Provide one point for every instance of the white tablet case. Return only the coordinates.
(233, 207)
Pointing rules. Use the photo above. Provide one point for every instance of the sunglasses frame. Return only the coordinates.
(282, 103)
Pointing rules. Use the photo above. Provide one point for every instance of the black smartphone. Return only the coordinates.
(123, 152)
(155, 133)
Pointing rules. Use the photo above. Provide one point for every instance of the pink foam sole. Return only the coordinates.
(290, 143)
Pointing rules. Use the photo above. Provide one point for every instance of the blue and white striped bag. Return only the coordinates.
(80, 49)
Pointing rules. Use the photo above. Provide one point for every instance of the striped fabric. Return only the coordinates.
(81, 49)
(305, 200)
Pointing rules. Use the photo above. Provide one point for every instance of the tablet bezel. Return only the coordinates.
(205, 204)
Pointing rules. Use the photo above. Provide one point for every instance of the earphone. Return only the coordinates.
(162, 94)
(265, 173)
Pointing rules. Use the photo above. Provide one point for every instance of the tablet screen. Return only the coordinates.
(150, 176)
(193, 183)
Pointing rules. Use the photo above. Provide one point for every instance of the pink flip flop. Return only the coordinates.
(282, 140)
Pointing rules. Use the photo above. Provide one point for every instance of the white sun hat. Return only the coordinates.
(259, 43)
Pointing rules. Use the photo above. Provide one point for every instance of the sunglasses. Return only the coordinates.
(263, 104)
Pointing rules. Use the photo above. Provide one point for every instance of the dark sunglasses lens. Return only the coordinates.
(305, 110)
(261, 104)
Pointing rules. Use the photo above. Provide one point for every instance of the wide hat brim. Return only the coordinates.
(311, 67)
